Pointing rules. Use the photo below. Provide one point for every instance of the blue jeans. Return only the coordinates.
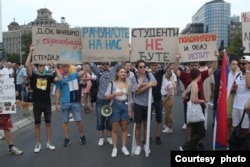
(71, 107)
(102, 122)
(120, 111)
(22, 93)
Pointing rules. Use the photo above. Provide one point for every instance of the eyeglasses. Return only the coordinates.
(141, 67)
(105, 64)
(41, 65)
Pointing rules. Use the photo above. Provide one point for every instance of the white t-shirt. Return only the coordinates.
(166, 84)
(242, 92)
(7, 72)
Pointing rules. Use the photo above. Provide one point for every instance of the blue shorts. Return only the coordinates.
(120, 111)
(74, 108)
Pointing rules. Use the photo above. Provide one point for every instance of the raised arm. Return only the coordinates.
(27, 63)
(176, 65)
(214, 64)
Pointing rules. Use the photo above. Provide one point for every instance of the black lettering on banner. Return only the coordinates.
(48, 57)
(155, 32)
(210, 158)
(247, 36)
(39, 31)
(158, 56)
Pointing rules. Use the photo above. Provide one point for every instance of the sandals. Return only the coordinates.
(86, 109)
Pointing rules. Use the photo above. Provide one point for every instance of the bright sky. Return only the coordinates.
(108, 13)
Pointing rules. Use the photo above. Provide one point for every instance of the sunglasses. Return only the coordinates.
(105, 64)
(243, 64)
(142, 67)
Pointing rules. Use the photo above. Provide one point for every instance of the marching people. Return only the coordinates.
(141, 83)
(104, 76)
(119, 92)
(67, 100)
(41, 86)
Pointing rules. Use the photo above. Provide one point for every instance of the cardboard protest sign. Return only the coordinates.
(105, 44)
(7, 96)
(245, 21)
(62, 45)
(197, 47)
(154, 44)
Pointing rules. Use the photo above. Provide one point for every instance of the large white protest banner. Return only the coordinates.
(63, 45)
(105, 44)
(7, 96)
(197, 47)
(245, 21)
(154, 44)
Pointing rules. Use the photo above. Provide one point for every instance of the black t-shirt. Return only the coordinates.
(40, 84)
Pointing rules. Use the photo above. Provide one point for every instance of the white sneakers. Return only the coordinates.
(167, 130)
(50, 146)
(38, 148)
(101, 141)
(109, 140)
(114, 152)
(184, 126)
(15, 151)
(124, 151)
(137, 150)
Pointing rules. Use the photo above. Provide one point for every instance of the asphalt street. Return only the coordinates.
(90, 154)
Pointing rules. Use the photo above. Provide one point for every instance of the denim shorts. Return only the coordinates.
(74, 108)
(120, 111)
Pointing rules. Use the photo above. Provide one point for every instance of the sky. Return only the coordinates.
(110, 13)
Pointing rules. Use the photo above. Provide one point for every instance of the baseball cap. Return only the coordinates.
(247, 58)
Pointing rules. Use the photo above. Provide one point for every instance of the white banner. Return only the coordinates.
(245, 21)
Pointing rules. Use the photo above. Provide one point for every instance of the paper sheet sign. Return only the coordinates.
(197, 47)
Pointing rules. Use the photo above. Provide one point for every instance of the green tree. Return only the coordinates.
(235, 43)
(26, 42)
(13, 57)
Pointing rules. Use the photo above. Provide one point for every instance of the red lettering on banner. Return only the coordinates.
(154, 44)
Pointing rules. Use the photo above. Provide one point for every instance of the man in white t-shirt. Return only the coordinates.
(242, 95)
(8, 70)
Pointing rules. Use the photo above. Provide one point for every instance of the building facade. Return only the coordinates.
(12, 37)
(215, 15)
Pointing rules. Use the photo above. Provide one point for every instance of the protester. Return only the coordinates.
(104, 76)
(167, 92)
(197, 129)
(41, 86)
(156, 94)
(242, 95)
(140, 85)
(119, 92)
(67, 99)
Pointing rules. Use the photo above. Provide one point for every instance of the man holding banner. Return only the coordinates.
(141, 83)
(41, 86)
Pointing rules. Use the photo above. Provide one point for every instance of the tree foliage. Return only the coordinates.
(26, 42)
(235, 44)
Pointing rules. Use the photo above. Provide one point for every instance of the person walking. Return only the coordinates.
(197, 129)
(67, 100)
(41, 85)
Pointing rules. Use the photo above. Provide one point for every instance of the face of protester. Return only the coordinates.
(121, 74)
(105, 66)
(65, 68)
(141, 68)
(234, 65)
(40, 68)
(153, 67)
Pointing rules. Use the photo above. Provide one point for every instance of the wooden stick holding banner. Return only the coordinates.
(147, 150)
